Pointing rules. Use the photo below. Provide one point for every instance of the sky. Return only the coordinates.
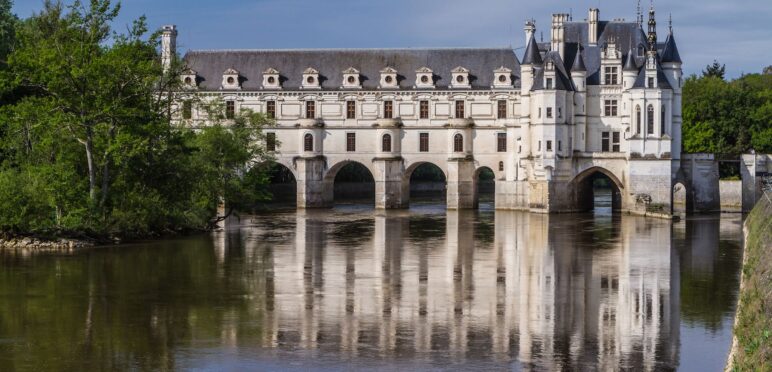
(736, 33)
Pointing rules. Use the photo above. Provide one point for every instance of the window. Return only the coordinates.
(502, 109)
(351, 142)
(230, 109)
(612, 76)
(424, 109)
(501, 166)
(650, 120)
(549, 146)
(187, 110)
(549, 83)
(549, 112)
(560, 112)
(388, 109)
(538, 146)
(604, 142)
(638, 119)
(611, 107)
(501, 142)
(560, 146)
(351, 109)
(651, 82)
(458, 143)
(386, 145)
(310, 110)
(270, 141)
(662, 122)
(423, 142)
(459, 109)
(308, 142)
(270, 109)
(615, 141)
(539, 116)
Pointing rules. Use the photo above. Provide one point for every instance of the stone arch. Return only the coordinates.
(682, 195)
(283, 181)
(419, 190)
(483, 187)
(582, 190)
(332, 173)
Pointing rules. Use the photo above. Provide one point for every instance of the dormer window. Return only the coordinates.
(389, 78)
(311, 79)
(611, 74)
(230, 79)
(424, 78)
(271, 79)
(460, 78)
(189, 78)
(351, 78)
(549, 83)
(503, 77)
(651, 83)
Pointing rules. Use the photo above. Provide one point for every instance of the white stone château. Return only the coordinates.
(602, 98)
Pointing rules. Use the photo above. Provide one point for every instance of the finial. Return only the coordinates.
(638, 14)
(670, 23)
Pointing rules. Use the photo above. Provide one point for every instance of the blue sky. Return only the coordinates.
(737, 33)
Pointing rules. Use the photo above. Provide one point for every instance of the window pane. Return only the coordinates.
(502, 142)
(351, 142)
(270, 141)
(423, 142)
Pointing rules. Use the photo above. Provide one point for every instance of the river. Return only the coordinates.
(355, 288)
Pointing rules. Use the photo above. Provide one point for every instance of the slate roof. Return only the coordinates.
(670, 51)
(532, 55)
(664, 83)
(562, 79)
(332, 62)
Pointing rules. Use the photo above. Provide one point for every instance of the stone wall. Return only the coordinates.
(731, 195)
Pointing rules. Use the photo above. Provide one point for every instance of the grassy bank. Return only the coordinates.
(752, 350)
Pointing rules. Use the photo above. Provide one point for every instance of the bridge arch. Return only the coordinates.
(484, 186)
(590, 181)
(349, 180)
(429, 183)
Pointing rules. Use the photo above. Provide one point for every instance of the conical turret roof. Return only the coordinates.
(630, 62)
(579, 62)
(670, 53)
(532, 55)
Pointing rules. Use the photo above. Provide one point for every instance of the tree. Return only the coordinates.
(715, 70)
(7, 29)
(767, 70)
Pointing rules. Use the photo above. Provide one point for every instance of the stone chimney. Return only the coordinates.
(558, 38)
(530, 30)
(168, 46)
(593, 29)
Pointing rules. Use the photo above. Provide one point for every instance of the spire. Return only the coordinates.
(670, 52)
(579, 61)
(532, 55)
(639, 15)
(630, 61)
(652, 37)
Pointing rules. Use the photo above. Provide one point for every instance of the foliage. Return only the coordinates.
(753, 329)
(727, 117)
(715, 70)
(88, 144)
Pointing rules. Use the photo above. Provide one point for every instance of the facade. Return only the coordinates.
(601, 98)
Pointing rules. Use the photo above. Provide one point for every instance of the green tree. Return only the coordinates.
(715, 70)
(7, 29)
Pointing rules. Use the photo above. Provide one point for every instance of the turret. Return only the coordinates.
(531, 59)
(168, 46)
(630, 70)
(671, 60)
(579, 72)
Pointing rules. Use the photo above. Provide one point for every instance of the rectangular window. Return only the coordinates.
(610, 107)
(351, 142)
(615, 141)
(538, 147)
(388, 109)
(270, 109)
(460, 109)
(230, 109)
(501, 142)
(560, 146)
(187, 110)
(310, 110)
(604, 142)
(612, 75)
(423, 142)
(351, 110)
(651, 82)
(560, 112)
(270, 141)
(502, 109)
(549, 83)
(549, 112)
(549, 146)
(424, 109)
(539, 113)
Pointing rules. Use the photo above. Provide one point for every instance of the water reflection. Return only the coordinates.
(358, 287)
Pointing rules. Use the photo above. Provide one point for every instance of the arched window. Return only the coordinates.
(662, 123)
(308, 142)
(458, 143)
(650, 120)
(501, 166)
(386, 145)
(638, 119)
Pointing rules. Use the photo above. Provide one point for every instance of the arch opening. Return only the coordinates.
(352, 183)
(427, 183)
(485, 186)
(598, 191)
(679, 199)
(281, 188)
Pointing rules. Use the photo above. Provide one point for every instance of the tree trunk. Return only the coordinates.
(91, 167)
(106, 168)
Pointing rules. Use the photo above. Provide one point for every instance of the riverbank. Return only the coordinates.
(752, 345)
(27, 245)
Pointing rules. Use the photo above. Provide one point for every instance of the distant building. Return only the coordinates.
(602, 98)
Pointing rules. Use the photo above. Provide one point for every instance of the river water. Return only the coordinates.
(354, 288)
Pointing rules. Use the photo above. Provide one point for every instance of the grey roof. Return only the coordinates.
(332, 62)
(579, 63)
(670, 52)
(630, 62)
(532, 55)
(562, 79)
(662, 80)
(627, 36)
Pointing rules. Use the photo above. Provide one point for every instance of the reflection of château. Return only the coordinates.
(583, 305)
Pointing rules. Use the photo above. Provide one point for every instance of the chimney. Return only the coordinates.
(558, 38)
(530, 30)
(168, 46)
(593, 30)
